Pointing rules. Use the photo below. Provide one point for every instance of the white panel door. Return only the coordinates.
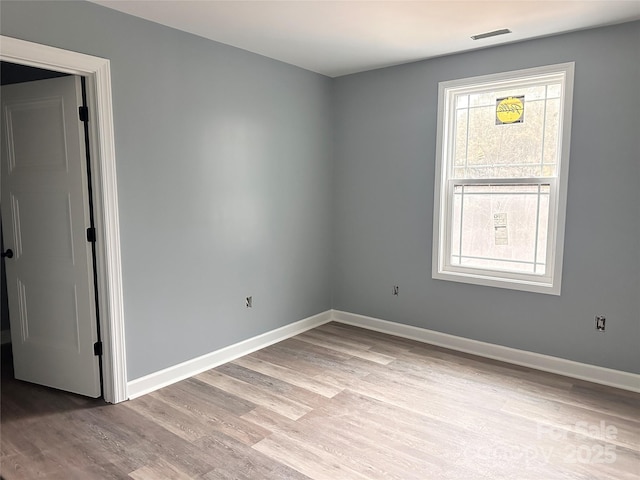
(45, 214)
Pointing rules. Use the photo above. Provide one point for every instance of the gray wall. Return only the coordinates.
(385, 133)
(239, 175)
(224, 174)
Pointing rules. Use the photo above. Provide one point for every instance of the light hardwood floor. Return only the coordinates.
(336, 402)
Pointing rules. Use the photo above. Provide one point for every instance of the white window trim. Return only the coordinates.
(551, 282)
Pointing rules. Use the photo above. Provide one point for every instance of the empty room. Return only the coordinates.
(320, 240)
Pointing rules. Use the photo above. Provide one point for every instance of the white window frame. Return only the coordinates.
(442, 269)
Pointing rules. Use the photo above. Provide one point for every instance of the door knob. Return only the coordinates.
(8, 253)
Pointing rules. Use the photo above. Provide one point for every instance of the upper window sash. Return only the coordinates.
(449, 90)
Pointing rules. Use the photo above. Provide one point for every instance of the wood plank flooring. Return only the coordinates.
(336, 402)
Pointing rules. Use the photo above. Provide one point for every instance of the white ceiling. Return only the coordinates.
(340, 37)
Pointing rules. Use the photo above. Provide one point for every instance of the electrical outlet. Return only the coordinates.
(249, 302)
(600, 321)
(396, 289)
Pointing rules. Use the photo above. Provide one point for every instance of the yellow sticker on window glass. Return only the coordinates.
(509, 110)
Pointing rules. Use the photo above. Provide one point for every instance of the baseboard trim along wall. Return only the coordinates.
(162, 378)
(546, 363)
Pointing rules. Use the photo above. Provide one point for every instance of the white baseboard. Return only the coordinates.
(547, 363)
(5, 336)
(569, 368)
(154, 381)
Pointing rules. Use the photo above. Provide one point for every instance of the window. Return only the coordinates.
(501, 178)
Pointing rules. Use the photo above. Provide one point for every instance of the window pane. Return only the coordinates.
(551, 132)
(500, 227)
(460, 146)
(554, 90)
(543, 221)
(510, 150)
(487, 99)
(462, 101)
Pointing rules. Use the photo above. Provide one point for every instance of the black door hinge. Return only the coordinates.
(97, 348)
(83, 113)
(91, 234)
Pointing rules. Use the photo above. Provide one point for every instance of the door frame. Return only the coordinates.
(97, 72)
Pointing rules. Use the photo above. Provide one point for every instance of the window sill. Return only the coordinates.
(488, 280)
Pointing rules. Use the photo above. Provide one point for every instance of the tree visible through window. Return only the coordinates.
(502, 163)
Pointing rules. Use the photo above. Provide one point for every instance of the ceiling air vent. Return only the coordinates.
(491, 34)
